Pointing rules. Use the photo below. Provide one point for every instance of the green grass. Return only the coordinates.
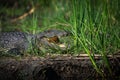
(90, 32)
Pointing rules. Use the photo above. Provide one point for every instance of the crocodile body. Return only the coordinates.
(19, 42)
(12, 41)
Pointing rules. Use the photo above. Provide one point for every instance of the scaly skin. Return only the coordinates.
(14, 40)
(19, 42)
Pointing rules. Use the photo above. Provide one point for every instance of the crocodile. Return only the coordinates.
(19, 42)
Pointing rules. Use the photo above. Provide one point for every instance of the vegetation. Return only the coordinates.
(94, 24)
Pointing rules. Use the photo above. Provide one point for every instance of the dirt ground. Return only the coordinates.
(58, 68)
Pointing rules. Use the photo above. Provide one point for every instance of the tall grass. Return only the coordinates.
(92, 31)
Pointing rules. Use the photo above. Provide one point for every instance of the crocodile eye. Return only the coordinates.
(54, 39)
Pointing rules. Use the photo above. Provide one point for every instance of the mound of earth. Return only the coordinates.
(58, 68)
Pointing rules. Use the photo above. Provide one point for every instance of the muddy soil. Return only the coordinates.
(58, 68)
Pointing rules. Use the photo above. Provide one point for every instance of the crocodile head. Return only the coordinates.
(50, 37)
(51, 33)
